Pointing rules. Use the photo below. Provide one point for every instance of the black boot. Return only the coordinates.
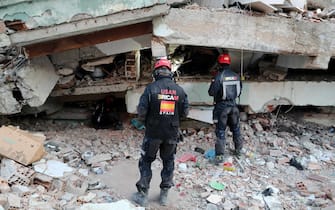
(141, 198)
(219, 159)
(238, 143)
(163, 196)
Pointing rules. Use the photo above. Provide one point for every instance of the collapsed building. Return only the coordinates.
(55, 52)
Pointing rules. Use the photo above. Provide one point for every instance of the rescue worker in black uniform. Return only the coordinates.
(160, 108)
(226, 87)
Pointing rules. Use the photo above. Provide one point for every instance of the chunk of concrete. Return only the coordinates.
(8, 104)
(99, 158)
(36, 80)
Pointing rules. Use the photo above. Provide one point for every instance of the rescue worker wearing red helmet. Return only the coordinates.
(225, 88)
(160, 108)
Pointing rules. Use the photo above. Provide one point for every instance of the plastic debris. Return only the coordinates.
(210, 154)
(187, 157)
(137, 124)
(228, 166)
(216, 185)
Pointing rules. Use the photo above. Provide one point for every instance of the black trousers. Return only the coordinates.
(167, 153)
(227, 115)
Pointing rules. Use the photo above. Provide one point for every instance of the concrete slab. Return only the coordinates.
(263, 34)
(87, 25)
(125, 45)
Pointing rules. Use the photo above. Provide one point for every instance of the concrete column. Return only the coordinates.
(158, 48)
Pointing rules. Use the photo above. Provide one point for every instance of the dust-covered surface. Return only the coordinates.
(288, 163)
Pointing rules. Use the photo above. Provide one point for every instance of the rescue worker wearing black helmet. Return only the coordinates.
(225, 88)
(160, 108)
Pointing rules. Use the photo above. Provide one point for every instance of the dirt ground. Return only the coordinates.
(271, 141)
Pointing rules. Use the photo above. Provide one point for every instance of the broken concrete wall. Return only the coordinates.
(225, 29)
(36, 80)
(71, 58)
(321, 4)
(37, 13)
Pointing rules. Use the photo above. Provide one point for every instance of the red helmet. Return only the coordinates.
(163, 62)
(224, 58)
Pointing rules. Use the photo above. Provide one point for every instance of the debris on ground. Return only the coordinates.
(288, 165)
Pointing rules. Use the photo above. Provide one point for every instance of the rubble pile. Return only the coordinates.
(286, 164)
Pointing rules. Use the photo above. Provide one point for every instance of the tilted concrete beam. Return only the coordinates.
(36, 80)
(268, 34)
